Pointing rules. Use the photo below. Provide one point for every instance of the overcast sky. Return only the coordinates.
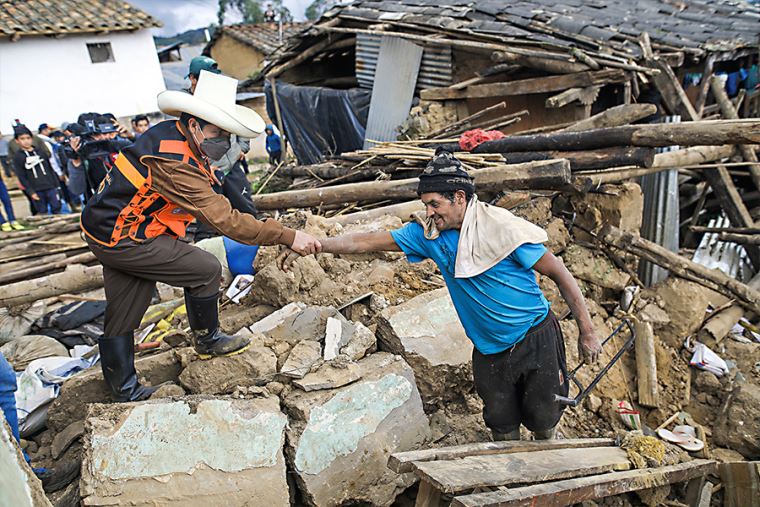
(180, 15)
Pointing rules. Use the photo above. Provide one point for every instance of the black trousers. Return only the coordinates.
(518, 385)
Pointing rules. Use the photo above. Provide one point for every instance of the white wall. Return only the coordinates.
(51, 80)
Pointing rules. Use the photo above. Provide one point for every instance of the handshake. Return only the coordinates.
(304, 244)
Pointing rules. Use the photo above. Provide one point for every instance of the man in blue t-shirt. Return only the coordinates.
(488, 257)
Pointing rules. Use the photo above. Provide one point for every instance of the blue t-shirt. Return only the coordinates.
(496, 307)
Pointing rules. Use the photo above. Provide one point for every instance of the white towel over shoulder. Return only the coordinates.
(488, 235)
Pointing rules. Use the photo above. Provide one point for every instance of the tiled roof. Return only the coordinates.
(262, 36)
(690, 24)
(55, 17)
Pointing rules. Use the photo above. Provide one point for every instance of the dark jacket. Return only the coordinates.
(34, 171)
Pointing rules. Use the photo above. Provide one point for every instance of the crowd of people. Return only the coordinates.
(59, 169)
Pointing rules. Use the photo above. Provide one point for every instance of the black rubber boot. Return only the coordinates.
(203, 316)
(117, 358)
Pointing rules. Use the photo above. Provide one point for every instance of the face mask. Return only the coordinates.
(215, 147)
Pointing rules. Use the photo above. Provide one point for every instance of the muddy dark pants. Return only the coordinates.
(131, 270)
(518, 385)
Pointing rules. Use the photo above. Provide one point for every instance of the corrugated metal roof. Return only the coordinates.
(435, 70)
(398, 65)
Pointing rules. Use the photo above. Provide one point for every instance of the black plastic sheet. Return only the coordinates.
(319, 122)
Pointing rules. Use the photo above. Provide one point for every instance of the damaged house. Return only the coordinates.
(559, 61)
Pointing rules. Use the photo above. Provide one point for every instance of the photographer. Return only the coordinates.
(93, 150)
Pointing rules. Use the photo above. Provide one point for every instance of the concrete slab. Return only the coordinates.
(339, 441)
(427, 333)
(191, 452)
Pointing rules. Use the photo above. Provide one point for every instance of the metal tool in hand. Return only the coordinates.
(584, 391)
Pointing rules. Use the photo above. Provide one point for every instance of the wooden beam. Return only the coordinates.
(646, 366)
(603, 158)
(575, 491)
(742, 239)
(585, 96)
(304, 55)
(664, 161)
(401, 462)
(672, 92)
(731, 202)
(546, 84)
(728, 111)
(741, 484)
(427, 496)
(550, 65)
(76, 278)
(702, 133)
(614, 117)
(522, 467)
(44, 267)
(546, 175)
(682, 267)
(704, 85)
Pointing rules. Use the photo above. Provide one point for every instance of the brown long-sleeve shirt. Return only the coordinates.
(187, 187)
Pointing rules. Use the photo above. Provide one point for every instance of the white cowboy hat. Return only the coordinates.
(214, 102)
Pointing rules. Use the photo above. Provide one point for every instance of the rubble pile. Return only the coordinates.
(354, 357)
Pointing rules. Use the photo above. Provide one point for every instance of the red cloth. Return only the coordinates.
(475, 137)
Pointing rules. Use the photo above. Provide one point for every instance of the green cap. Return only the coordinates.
(200, 63)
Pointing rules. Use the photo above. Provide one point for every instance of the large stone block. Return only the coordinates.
(221, 375)
(89, 387)
(191, 452)
(619, 205)
(339, 441)
(18, 485)
(427, 333)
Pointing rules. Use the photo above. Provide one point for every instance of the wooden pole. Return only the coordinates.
(534, 85)
(719, 326)
(742, 239)
(703, 133)
(646, 365)
(76, 278)
(736, 230)
(728, 111)
(614, 117)
(543, 64)
(403, 210)
(681, 266)
(279, 120)
(546, 175)
(590, 160)
(665, 161)
(45, 267)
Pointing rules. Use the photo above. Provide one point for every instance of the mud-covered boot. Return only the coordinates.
(209, 341)
(117, 359)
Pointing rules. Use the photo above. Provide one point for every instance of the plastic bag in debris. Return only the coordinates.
(39, 384)
(17, 323)
(320, 121)
(24, 350)
(475, 137)
(706, 359)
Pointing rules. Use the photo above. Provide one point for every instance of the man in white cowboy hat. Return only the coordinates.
(135, 222)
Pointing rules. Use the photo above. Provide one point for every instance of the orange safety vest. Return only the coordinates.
(127, 205)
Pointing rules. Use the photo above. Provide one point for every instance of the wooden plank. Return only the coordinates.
(401, 462)
(522, 467)
(427, 496)
(546, 84)
(741, 482)
(646, 365)
(704, 85)
(568, 492)
(614, 117)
